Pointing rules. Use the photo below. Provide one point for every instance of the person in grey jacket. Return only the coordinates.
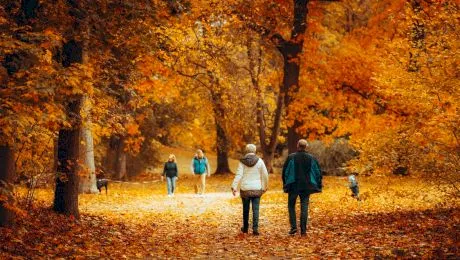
(252, 176)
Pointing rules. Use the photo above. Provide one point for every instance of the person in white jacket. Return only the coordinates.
(253, 176)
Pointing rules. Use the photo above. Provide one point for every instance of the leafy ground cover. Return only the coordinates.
(397, 218)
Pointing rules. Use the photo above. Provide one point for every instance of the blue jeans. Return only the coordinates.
(255, 213)
(304, 201)
(171, 184)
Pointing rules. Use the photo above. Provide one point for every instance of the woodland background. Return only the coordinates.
(108, 87)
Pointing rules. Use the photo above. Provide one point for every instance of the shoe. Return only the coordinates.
(304, 234)
(244, 230)
(293, 231)
(169, 195)
(255, 233)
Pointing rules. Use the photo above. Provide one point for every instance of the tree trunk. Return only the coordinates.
(115, 159)
(66, 191)
(7, 172)
(222, 142)
(255, 68)
(69, 148)
(268, 160)
(290, 87)
(121, 165)
(223, 166)
(291, 51)
(110, 158)
(88, 173)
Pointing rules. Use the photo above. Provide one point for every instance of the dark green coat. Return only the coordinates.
(302, 167)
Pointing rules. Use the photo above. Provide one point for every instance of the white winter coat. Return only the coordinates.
(251, 178)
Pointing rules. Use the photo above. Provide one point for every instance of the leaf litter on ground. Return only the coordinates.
(140, 221)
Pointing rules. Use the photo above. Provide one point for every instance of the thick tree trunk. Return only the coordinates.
(223, 166)
(291, 51)
(115, 159)
(7, 172)
(66, 191)
(290, 87)
(88, 173)
(70, 152)
(268, 160)
(222, 142)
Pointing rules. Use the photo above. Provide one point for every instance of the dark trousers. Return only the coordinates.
(304, 200)
(255, 213)
(355, 190)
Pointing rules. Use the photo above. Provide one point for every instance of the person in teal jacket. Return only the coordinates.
(200, 168)
(301, 177)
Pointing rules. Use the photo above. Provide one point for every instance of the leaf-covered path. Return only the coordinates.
(139, 221)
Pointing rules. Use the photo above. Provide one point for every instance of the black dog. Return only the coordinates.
(102, 183)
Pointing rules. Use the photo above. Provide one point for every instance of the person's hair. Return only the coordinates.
(199, 153)
(302, 144)
(172, 157)
(250, 148)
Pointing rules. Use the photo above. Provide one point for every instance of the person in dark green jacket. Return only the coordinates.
(299, 184)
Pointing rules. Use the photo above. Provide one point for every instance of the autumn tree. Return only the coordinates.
(287, 35)
(202, 55)
(25, 92)
(262, 70)
(425, 138)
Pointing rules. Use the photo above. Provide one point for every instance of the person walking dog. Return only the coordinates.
(253, 176)
(200, 168)
(301, 178)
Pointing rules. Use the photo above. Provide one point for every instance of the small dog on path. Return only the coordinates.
(102, 183)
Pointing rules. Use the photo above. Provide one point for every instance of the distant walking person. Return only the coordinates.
(200, 168)
(354, 187)
(301, 178)
(253, 176)
(172, 174)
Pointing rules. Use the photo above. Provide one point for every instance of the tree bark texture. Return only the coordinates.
(7, 174)
(67, 179)
(222, 142)
(291, 51)
(88, 173)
